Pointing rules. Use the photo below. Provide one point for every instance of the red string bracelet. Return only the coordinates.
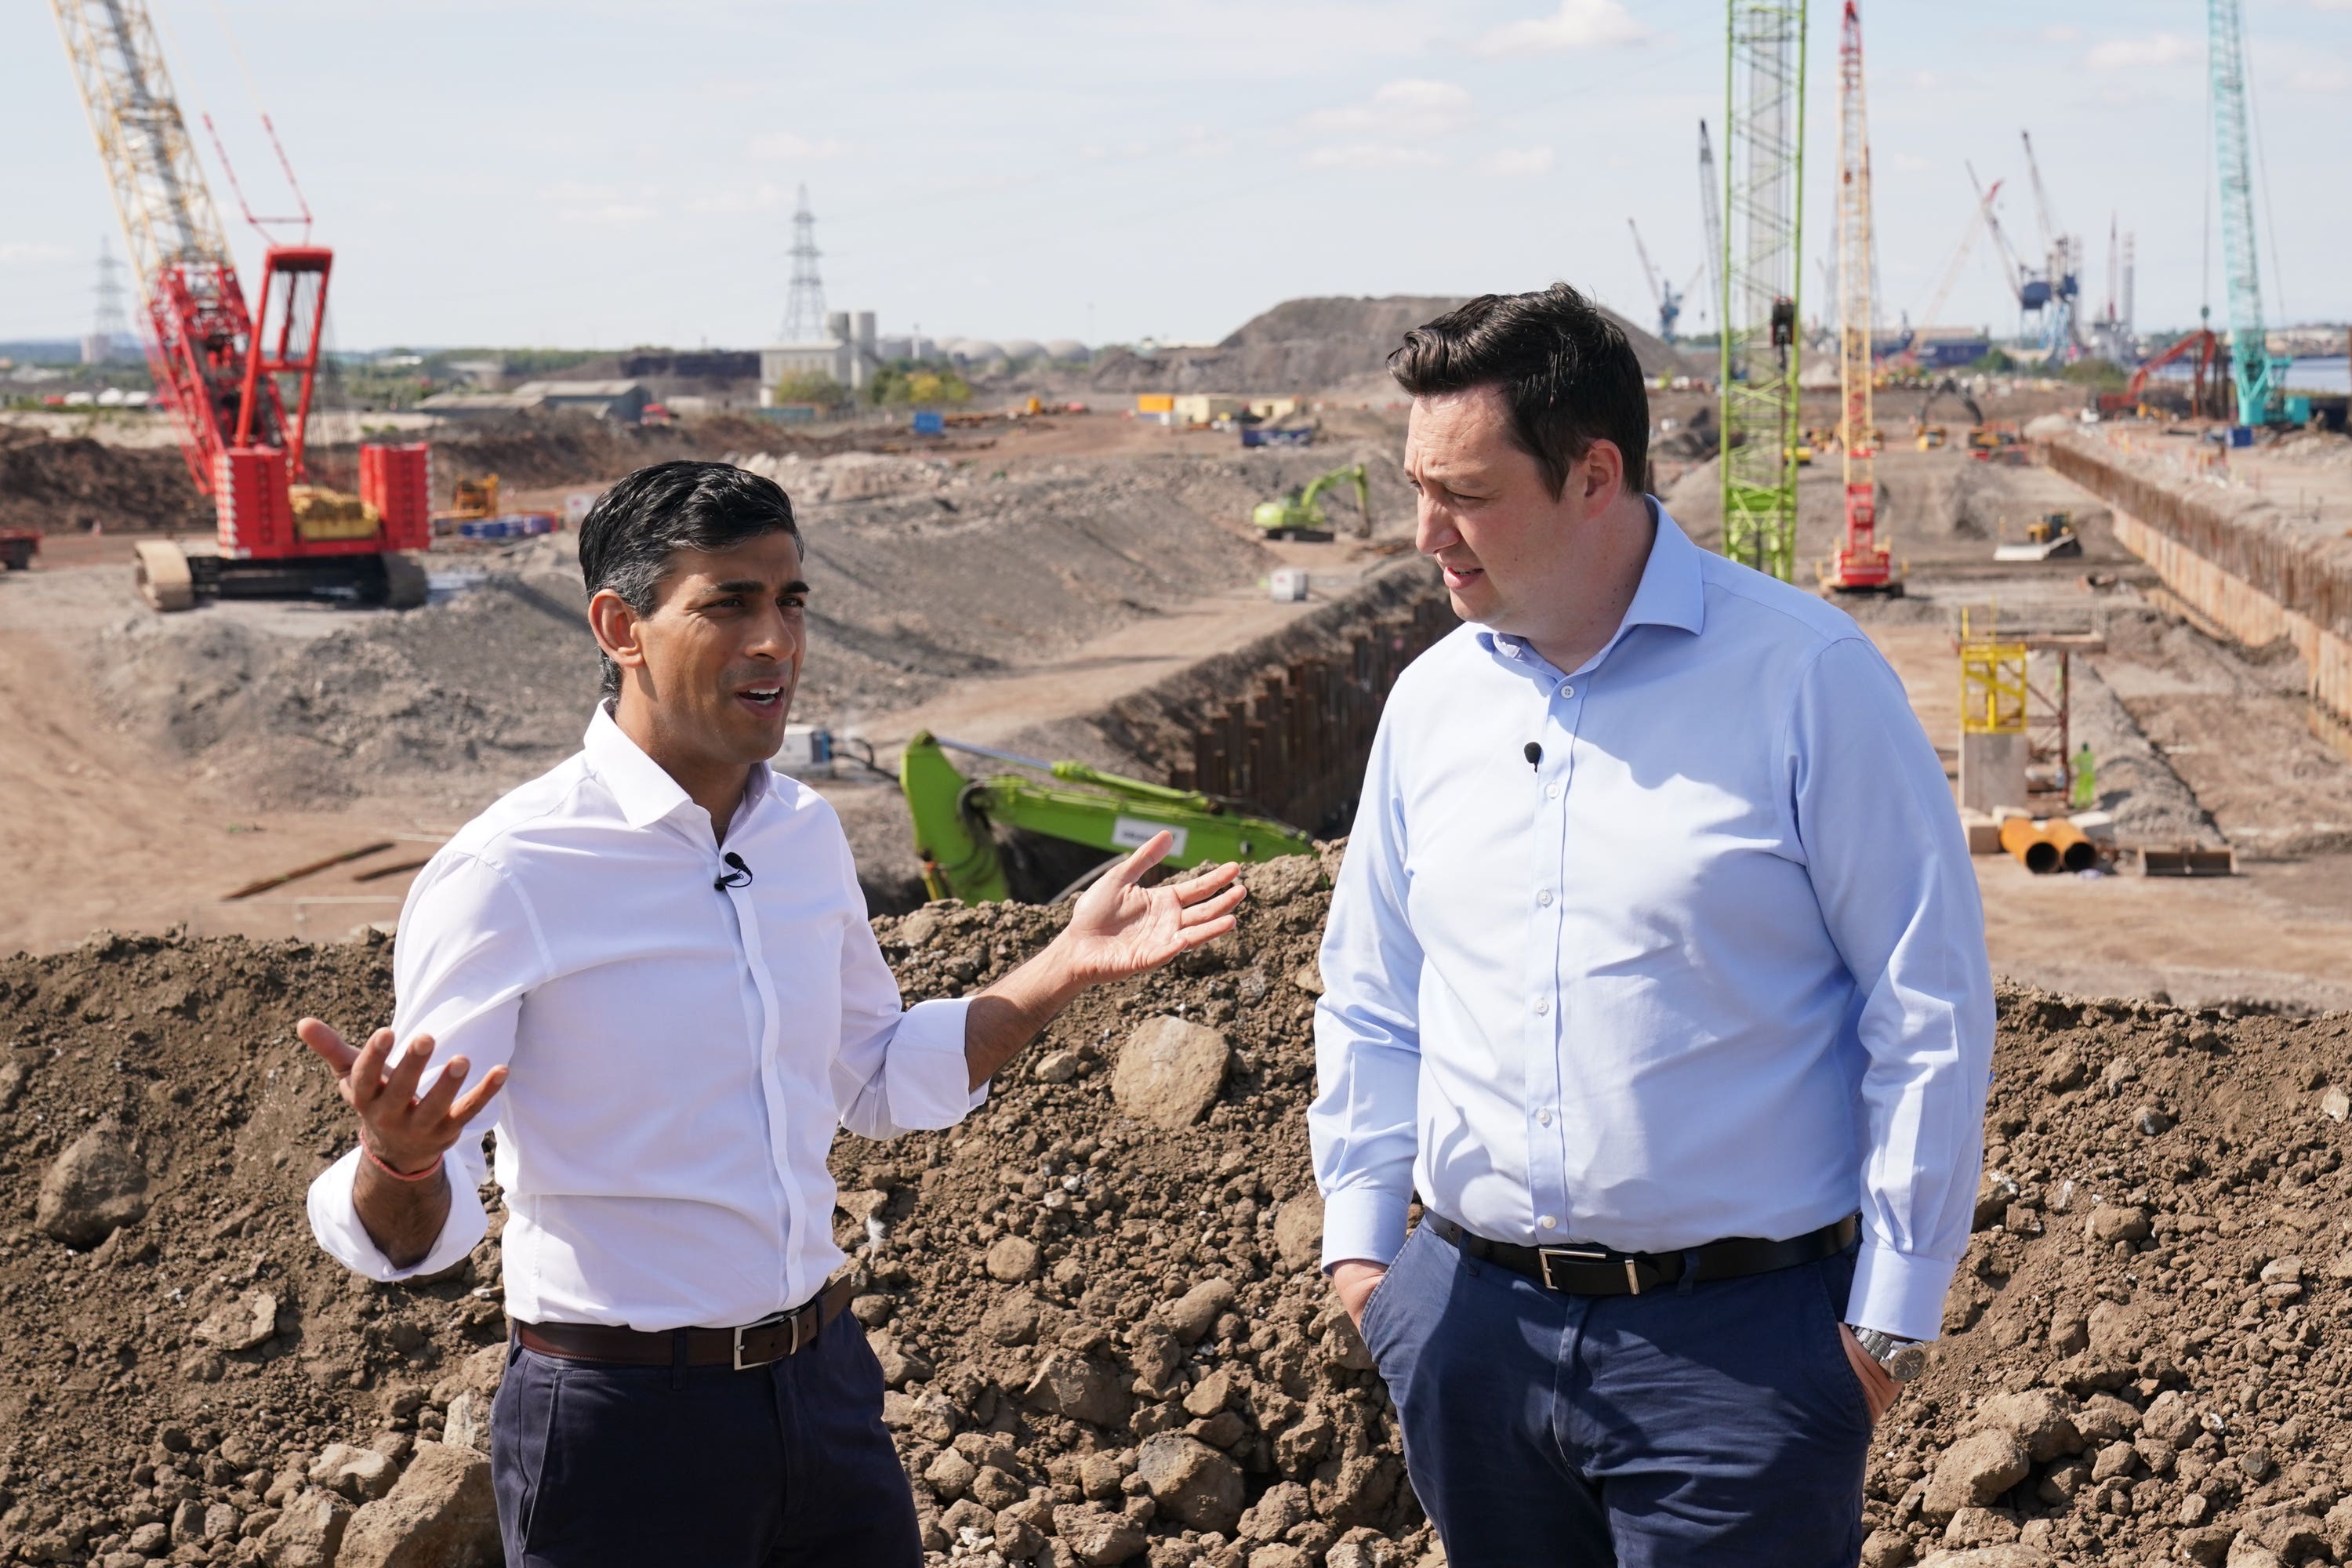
(375, 1159)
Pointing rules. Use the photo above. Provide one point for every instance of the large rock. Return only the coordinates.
(441, 1515)
(1975, 1471)
(361, 1474)
(2041, 1418)
(1194, 1314)
(307, 1533)
(93, 1189)
(1285, 1506)
(1079, 1387)
(241, 1322)
(1012, 1259)
(1170, 1072)
(1299, 1231)
(1191, 1482)
(1096, 1539)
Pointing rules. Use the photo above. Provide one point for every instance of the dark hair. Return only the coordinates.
(1562, 363)
(629, 535)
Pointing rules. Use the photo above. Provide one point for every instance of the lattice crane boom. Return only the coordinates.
(2258, 378)
(1710, 210)
(1863, 563)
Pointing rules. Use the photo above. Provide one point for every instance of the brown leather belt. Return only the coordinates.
(1603, 1271)
(753, 1345)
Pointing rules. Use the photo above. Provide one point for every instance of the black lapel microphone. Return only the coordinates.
(1533, 751)
(737, 875)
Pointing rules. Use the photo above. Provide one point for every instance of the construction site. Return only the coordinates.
(266, 648)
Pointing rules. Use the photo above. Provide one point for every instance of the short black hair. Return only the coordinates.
(629, 535)
(1564, 367)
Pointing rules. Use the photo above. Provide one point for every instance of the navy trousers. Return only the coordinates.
(784, 1465)
(1715, 1424)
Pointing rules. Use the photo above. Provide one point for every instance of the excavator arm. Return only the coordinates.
(953, 817)
(1353, 474)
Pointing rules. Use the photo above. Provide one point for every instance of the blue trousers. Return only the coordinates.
(784, 1465)
(1715, 1424)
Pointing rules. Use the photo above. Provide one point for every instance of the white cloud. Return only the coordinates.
(1373, 155)
(785, 147)
(1577, 25)
(1408, 108)
(2141, 54)
(1517, 162)
(2064, 33)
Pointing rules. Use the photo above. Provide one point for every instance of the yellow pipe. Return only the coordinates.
(2032, 848)
(2075, 852)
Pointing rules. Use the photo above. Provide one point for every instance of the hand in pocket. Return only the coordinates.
(1878, 1389)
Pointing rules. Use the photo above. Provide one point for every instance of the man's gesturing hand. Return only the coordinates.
(1119, 929)
(406, 1132)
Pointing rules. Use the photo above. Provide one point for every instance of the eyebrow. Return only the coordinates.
(753, 585)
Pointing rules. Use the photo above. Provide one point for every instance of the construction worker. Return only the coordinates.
(663, 941)
(1656, 972)
(2084, 795)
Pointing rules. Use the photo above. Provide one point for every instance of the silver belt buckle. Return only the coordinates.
(768, 1321)
(1570, 1255)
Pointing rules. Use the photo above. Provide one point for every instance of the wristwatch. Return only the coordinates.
(1902, 1360)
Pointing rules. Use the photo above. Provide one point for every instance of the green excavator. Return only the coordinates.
(1300, 515)
(954, 814)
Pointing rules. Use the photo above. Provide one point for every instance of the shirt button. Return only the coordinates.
(1544, 897)
(1548, 1221)
(1543, 1117)
(1543, 1003)
(1566, 689)
(1551, 792)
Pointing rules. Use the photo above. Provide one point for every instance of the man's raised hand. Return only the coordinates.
(406, 1132)
(1119, 929)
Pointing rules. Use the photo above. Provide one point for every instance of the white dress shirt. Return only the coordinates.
(680, 1055)
(1713, 966)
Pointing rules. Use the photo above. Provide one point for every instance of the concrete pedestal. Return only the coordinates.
(1992, 772)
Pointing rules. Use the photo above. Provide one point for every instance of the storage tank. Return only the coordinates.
(1022, 348)
(1068, 349)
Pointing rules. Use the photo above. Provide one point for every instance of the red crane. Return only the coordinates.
(228, 373)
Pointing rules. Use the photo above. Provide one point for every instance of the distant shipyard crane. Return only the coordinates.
(2258, 377)
(238, 381)
(1863, 563)
(1764, 165)
(2062, 273)
(1662, 292)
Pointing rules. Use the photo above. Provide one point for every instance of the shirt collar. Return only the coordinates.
(1672, 593)
(642, 786)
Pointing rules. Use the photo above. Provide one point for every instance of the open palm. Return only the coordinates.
(1121, 928)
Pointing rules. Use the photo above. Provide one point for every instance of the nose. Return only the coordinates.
(1433, 528)
(779, 636)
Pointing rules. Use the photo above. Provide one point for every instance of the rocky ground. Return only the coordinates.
(1096, 1302)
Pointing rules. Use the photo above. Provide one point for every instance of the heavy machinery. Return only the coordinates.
(2258, 376)
(2051, 534)
(955, 816)
(1300, 515)
(1931, 436)
(1662, 292)
(238, 380)
(2207, 347)
(1756, 379)
(18, 548)
(1863, 563)
(470, 500)
(2061, 326)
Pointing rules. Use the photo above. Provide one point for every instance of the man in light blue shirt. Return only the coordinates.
(1656, 969)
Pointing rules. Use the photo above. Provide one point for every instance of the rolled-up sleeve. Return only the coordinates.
(1890, 867)
(468, 950)
(1362, 1127)
(898, 1070)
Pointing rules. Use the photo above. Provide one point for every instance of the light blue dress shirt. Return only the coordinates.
(1713, 966)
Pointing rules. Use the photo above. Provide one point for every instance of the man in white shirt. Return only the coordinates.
(1657, 969)
(655, 966)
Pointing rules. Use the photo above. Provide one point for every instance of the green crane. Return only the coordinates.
(1763, 187)
(1299, 515)
(2260, 379)
(953, 815)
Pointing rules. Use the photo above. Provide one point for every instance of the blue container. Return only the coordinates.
(930, 422)
(2241, 435)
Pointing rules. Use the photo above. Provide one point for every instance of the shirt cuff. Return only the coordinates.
(1898, 1293)
(1365, 1223)
(926, 1075)
(335, 1221)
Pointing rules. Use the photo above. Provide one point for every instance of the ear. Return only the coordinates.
(616, 629)
(1602, 473)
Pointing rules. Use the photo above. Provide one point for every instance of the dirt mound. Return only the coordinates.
(1313, 343)
(1108, 1330)
(61, 483)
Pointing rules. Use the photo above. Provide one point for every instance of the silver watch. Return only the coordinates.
(1902, 1360)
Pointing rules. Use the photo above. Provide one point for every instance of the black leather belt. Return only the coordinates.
(753, 1345)
(1603, 1271)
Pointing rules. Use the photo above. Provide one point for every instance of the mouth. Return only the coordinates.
(1460, 576)
(765, 700)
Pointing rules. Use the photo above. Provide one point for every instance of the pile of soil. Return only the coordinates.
(924, 572)
(1105, 1334)
(59, 484)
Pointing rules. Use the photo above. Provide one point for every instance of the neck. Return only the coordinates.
(1609, 558)
(716, 784)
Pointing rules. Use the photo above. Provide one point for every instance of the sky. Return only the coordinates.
(593, 173)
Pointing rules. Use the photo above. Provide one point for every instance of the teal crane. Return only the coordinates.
(2259, 377)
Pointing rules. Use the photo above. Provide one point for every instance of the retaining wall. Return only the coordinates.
(2236, 560)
